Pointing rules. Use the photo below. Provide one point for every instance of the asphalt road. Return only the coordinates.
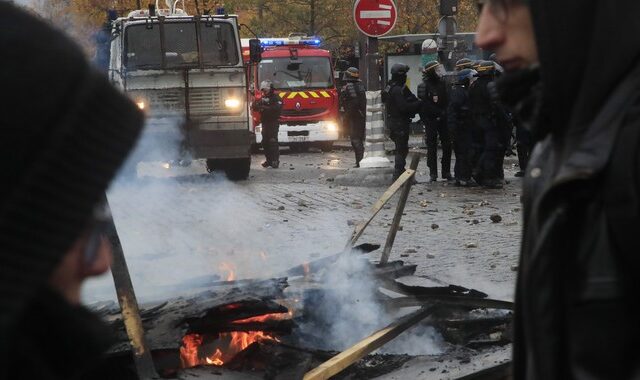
(180, 223)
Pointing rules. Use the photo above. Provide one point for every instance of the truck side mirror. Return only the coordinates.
(255, 50)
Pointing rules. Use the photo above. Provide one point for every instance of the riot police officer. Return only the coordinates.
(433, 94)
(459, 121)
(464, 63)
(270, 106)
(354, 100)
(485, 117)
(401, 106)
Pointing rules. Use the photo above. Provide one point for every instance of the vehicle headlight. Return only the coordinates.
(141, 104)
(331, 126)
(232, 103)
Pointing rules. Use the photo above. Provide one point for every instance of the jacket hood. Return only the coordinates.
(585, 47)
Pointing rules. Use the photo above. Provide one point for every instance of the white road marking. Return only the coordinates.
(375, 14)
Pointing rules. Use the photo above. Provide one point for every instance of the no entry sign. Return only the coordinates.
(375, 18)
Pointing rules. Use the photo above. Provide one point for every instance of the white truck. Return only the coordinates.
(187, 74)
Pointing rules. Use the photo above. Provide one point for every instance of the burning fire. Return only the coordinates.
(265, 318)
(225, 347)
(229, 270)
(196, 350)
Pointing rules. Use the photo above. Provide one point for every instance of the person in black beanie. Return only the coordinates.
(64, 133)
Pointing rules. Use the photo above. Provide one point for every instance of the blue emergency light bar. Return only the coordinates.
(267, 42)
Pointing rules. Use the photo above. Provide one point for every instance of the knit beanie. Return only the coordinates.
(64, 132)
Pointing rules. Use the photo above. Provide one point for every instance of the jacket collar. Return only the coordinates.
(593, 145)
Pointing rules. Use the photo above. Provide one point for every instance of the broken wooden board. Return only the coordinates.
(397, 185)
(456, 300)
(167, 323)
(322, 263)
(349, 356)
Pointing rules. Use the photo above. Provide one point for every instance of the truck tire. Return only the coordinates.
(238, 169)
(299, 147)
(212, 165)
(326, 146)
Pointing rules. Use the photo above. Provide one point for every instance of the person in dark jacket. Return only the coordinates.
(459, 122)
(401, 106)
(353, 97)
(65, 133)
(524, 144)
(576, 314)
(269, 106)
(435, 98)
(485, 111)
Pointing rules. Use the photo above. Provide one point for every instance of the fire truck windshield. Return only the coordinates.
(304, 72)
(145, 46)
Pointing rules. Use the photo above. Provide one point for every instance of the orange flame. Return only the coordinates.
(231, 343)
(229, 269)
(195, 351)
(266, 317)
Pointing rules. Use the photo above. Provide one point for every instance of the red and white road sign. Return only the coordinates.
(375, 18)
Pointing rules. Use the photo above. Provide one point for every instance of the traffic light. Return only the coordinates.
(448, 7)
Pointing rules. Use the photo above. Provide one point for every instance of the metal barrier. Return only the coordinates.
(374, 153)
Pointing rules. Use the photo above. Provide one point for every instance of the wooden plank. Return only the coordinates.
(129, 304)
(391, 191)
(461, 300)
(415, 159)
(361, 349)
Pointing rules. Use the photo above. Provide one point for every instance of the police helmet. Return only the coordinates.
(464, 63)
(431, 65)
(266, 85)
(486, 68)
(399, 69)
(352, 73)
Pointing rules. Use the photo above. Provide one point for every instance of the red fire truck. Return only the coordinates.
(302, 76)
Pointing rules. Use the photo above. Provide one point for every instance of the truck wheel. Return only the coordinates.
(238, 169)
(299, 147)
(212, 165)
(326, 146)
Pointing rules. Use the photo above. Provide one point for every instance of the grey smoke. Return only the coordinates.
(182, 223)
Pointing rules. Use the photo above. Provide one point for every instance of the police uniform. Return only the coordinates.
(460, 123)
(354, 100)
(487, 171)
(433, 94)
(401, 106)
(270, 107)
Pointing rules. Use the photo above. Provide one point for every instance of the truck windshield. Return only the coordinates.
(304, 72)
(144, 46)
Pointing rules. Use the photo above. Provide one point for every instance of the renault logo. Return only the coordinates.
(298, 106)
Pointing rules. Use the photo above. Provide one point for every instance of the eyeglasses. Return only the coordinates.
(98, 228)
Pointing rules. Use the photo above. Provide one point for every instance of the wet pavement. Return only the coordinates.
(182, 222)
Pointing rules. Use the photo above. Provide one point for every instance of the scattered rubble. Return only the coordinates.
(495, 218)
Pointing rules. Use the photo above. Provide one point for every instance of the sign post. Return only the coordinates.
(374, 18)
